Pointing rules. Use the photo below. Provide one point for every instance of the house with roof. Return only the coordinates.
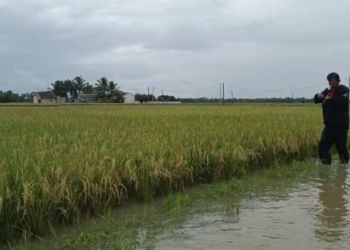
(129, 98)
(44, 97)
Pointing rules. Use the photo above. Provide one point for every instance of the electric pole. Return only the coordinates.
(223, 93)
(148, 94)
(220, 94)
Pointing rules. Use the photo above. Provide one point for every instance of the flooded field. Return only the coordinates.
(298, 206)
(312, 215)
(59, 165)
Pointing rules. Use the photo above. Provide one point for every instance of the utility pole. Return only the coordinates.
(148, 94)
(349, 86)
(292, 93)
(232, 95)
(220, 94)
(223, 93)
(152, 93)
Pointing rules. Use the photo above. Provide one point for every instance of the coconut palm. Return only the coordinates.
(102, 84)
(80, 83)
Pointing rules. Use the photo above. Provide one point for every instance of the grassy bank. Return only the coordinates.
(58, 164)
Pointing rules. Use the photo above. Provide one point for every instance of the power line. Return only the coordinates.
(231, 88)
(186, 91)
(277, 89)
(243, 88)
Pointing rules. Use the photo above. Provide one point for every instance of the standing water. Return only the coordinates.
(311, 215)
(298, 206)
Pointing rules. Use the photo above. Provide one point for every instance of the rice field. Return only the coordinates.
(62, 163)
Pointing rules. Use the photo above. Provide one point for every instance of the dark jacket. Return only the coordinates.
(336, 109)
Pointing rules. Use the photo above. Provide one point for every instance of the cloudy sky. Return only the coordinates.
(259, 48)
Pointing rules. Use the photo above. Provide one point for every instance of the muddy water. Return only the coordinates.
(311, 215)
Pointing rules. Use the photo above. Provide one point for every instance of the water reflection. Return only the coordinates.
(312, 215)
(332, 213)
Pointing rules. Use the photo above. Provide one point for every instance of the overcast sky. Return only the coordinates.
(185, 47)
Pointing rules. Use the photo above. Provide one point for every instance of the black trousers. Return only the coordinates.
(334, 135)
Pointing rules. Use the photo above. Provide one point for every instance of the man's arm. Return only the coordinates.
(318, 98)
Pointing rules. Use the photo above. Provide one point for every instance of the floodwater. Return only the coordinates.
(311, 215)
(269, 211)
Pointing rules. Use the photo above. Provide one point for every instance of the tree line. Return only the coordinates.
(104, 89)
(151, 98)
(9, 96)
(109, 91)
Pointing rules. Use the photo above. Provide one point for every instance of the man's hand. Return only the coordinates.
(328, 97)
(320, 96)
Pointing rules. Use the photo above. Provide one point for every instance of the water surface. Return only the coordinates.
(309, 215)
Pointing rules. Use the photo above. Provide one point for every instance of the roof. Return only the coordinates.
(46, 94)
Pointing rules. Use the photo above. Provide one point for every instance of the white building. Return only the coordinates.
(44, 97)
(129, 98)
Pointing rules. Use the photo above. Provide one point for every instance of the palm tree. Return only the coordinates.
(80, 83)
(59, 88)
(102, 87)
(102, 84)
(113, 86)
(71, 87)
(88, 88)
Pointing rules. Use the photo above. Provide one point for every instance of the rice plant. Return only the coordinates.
(58, 164)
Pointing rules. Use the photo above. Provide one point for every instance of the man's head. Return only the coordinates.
(333, 80)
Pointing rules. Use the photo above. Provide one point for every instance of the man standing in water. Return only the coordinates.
(335, 107)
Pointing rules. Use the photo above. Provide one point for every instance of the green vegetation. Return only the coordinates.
(105, 90)
(59, 164)
(137, 224)
(9, 96)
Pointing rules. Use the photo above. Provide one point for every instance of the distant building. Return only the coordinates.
(87, 97)
(129, 98)
(44, 97)
(61, 99)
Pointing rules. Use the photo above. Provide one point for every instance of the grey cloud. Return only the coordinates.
(183, 44)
